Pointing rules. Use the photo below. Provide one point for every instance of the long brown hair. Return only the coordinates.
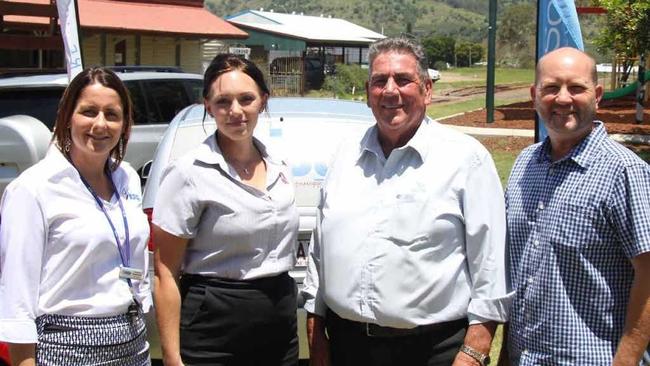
(69, 100)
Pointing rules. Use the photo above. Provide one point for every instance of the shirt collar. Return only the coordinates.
(583, 153)
(62, 167)
(419, 143)
(210, 153)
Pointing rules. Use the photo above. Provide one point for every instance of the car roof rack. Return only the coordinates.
(125, 69)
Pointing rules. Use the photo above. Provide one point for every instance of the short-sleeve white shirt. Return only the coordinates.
(236, 231)
(58, 252)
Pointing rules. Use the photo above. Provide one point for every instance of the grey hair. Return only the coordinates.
(400, 45)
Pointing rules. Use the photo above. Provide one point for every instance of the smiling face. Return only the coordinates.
(566, 96)
(96, 124)
(235, 101)
(397, 96)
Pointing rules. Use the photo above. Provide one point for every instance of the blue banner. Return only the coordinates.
(557, 26)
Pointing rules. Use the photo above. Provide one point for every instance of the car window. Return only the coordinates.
(165, 98)
(139, 104)
(38, 103)
(195, 90)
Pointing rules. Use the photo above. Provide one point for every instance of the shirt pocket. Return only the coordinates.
(574, 227)
(406, 218)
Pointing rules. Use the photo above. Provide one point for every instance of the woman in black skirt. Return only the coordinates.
(226, 226)
(73, 239)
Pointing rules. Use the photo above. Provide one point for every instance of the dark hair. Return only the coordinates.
(68, 103)
(227, 62)
(400, 45)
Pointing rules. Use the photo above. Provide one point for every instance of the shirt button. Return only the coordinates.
(531, 280)
(551, 170)
(540, 205)
(536, 242)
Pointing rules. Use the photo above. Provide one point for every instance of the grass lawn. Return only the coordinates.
(504, 160)
(501, 75)
(439, 110)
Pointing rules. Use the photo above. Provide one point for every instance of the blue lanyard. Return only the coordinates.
(123, 250)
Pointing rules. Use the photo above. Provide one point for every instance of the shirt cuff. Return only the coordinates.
(476, 319)
(18, 331)
(313, 306)
(484, 310)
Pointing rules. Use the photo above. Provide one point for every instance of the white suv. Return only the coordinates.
(158, 94)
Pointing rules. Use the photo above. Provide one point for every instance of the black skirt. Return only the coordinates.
(238, 322)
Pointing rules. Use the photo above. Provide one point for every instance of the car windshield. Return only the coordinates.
(38, 103)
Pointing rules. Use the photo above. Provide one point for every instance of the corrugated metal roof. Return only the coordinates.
(146, 17)
(305, 27)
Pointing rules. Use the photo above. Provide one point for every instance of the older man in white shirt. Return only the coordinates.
(407, 262)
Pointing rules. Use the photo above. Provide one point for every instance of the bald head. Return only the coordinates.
(562, 56)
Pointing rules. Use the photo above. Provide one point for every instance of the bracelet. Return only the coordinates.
(482, 358)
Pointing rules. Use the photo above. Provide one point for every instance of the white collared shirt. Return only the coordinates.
(416, 238)
(58, 254)
(236, 230)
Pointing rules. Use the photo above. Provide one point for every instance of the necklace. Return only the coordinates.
(246, 167)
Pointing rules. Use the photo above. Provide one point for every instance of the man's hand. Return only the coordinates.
(319, 345)
(479, 337)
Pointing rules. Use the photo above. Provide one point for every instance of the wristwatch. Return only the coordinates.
(482, 358)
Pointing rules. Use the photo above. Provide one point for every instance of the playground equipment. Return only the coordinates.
(626, 90)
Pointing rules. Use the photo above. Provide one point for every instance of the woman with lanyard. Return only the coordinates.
(225, 222)
(73, 239)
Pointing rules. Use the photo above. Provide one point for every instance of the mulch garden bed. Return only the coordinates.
(618, 116)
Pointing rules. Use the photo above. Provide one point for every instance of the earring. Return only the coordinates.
(120, 148)
(66, 145)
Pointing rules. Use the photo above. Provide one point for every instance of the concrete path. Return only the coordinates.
(481, 131)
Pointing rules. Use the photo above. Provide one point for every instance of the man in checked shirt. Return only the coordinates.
(578, 213)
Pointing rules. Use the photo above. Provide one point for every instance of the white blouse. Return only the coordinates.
(236, 231)
(58, 253)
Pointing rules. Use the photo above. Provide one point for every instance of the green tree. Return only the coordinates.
(627, 30)
(516, 34)
(468, 53)
(439, 49)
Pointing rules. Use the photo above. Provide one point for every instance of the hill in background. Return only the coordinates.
(464, 20)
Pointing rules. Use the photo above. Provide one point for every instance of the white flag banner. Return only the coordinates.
(70, 32)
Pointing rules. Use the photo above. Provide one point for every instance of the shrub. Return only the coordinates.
(346, 78)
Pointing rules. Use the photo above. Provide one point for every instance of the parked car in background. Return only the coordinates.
(434, 75)
(158, 94)
(306, 132)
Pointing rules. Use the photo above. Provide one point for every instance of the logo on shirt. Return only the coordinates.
(131, 196)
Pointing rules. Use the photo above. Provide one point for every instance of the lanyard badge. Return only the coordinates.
(126, 273)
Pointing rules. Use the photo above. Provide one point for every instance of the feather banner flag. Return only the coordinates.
(557, 26)
(68, 20)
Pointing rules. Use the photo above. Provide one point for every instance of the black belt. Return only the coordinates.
(378, 331)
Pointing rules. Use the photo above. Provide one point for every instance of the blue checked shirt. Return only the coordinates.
(573, 226)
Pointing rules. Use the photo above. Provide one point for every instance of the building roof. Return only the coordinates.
(143, 17)
(308, 28)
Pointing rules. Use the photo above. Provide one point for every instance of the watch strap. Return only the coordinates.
(481, 357)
